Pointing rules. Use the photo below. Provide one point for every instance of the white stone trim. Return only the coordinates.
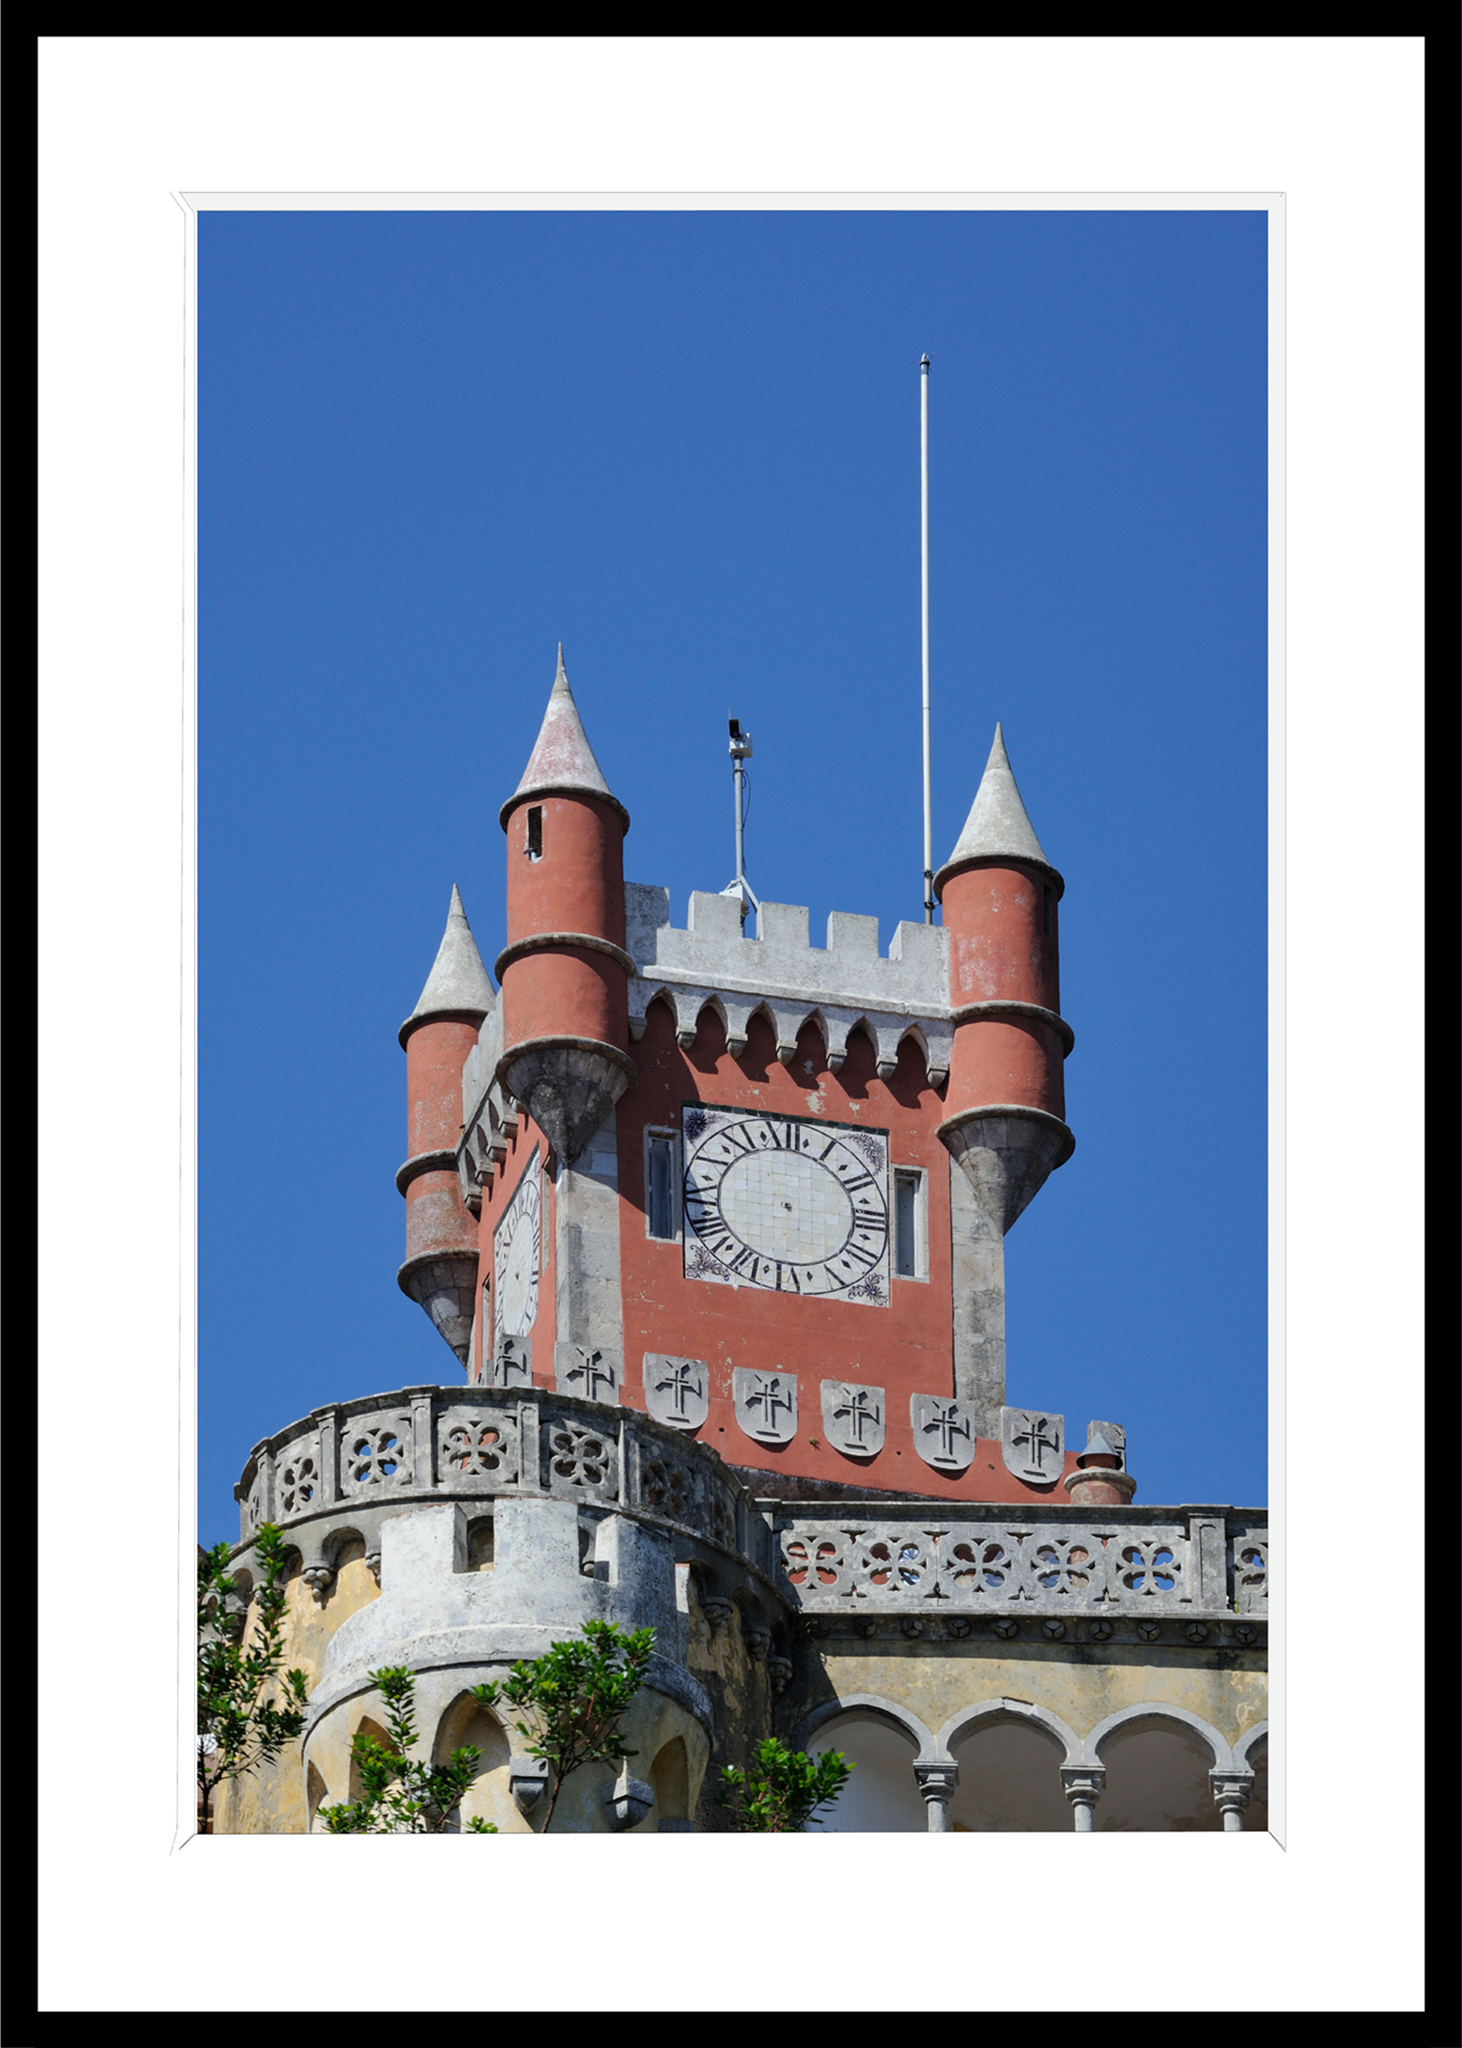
(1248, 1742)
(968, 1719)
(1157, 1710)
(903, 1718)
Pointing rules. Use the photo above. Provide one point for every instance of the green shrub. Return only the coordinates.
(782, 1791)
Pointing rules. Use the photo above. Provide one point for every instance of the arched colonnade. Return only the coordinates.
(1009, 1766)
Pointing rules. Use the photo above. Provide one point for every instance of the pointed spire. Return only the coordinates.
(458, 982)
(562, 762)
(997, 824)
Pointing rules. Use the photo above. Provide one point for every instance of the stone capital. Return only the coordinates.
(937, 1781)
(1231, 1789)
(1084, 1784)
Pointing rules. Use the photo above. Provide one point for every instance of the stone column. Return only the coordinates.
(1231, 1791)
(937, 1783)
(1084, 1787)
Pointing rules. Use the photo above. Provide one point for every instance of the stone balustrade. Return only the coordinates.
(349, 1463)
(1139, 1570)
(1130, 1574)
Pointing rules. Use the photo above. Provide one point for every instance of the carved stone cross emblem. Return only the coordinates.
(766, 1404)
(677, 1390)
(853, 1418)
(512, 1363)
(592, 1374)
(1033, 1444)
(944, 1431)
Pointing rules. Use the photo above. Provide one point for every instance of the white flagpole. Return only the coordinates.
(924, 512)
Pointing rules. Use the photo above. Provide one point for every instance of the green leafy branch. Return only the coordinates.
(783, 1789)
(241, 1725)
(401, 1795)
(574, 1695)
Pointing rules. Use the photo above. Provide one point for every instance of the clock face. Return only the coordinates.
(515, 1246)
(785, 1203)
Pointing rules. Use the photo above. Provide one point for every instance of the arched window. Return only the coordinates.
(670, 1776)
(1009, 1781)
(1157, 1781)
(468, 1723)
(377, 1734)
(882, 1797)
(317, 1794)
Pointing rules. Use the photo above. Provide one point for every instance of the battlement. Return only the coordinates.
(781, 973)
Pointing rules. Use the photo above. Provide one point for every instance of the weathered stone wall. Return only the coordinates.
(272, 1801)
(742, 1691)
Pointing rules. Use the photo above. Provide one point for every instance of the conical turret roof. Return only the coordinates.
(1097, 1447)
(562, 762)
(997, 826)
(458, 983)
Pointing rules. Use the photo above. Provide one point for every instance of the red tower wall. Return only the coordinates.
(575, 886)
(437, 1219)
(1000, 952)
(436, 1053)
(906, 1348)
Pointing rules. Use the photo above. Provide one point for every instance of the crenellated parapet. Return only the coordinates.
(782, 974)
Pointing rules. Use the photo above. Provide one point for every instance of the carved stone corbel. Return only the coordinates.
(527, 1782)
(627, 1801)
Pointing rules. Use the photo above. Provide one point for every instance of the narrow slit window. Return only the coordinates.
(535, 834)
(906, 1189)
(1048, 912)
(662, 1187)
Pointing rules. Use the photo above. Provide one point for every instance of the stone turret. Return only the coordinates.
(441, 1236)
(563, 971)
(1005, 1110)
(1004, 1123)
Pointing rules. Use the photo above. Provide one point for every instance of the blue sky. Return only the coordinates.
(432, 446)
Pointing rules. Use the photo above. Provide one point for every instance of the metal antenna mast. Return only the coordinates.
(741, 752)
(924, 528)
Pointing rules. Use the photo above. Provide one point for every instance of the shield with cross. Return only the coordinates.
(944, 1431)
(766, 1404)
(592, 1374)
(852, 1418)
(512, 1362)
(677, 1390)
(1033, 1444)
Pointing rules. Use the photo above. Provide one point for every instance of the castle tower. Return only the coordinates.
(440, 1271)
(563, 971)
(737, 1375)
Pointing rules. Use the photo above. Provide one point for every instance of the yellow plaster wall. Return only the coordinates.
(271, 1800)
(1079, 1683)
